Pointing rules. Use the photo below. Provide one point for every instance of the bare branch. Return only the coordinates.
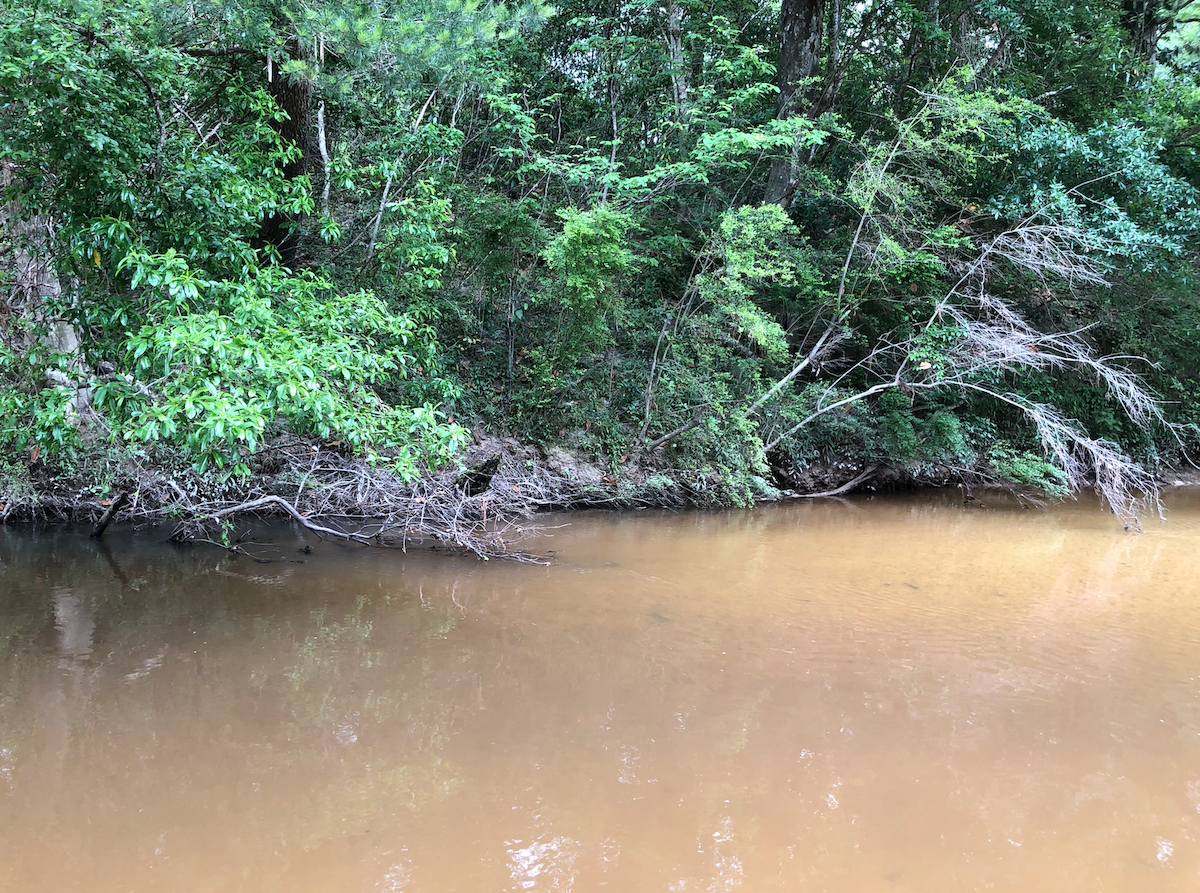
(992, 338)
(844, 488)
(696, 421)
(827, 340)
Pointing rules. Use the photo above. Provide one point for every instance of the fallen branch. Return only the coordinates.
(799, 367)
(109, 514)
(288, 508)
(350, 500)
(696, 421)
(844, 488)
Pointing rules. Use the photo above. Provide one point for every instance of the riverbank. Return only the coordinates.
(481, 506)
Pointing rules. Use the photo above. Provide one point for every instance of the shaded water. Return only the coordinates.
(896, 694)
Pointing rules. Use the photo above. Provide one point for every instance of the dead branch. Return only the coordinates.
(323, 146)
(109, 514)
(696, 420)
(387, 188)
(289, 509)
(844, 488)
(825, 343)
(993, 337)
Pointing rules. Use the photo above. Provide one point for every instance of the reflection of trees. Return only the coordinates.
(200, 696)
(318, 708)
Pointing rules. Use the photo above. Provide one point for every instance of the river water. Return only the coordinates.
(889, 694)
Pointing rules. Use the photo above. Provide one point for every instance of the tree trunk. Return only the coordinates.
(679, 72)
(33, 287)
(294, 95)
(835, 67)
(801, 26)
(1147, 21)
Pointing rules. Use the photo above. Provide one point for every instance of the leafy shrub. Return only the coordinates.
(1023, 467)
(213, 364)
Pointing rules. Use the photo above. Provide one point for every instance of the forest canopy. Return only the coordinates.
(726, 242)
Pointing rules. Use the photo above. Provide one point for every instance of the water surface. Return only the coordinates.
(892, 694)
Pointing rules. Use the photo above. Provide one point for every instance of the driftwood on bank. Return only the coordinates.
(484, 507)
(268, 502)
(484, 510)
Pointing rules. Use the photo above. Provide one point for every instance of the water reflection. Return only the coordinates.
(899, 694)
(73, 618)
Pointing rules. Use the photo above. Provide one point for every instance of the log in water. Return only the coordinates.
(897, 694)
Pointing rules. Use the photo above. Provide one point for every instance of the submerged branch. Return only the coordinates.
(289, 509)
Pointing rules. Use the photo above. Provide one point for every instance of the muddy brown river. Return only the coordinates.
(889, 694)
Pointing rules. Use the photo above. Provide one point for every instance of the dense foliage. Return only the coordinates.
(733, 240)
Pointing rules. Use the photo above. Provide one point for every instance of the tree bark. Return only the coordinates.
(801, 26)
(294, 95)
(1139, 18)
(1148, 20)
(679, 73)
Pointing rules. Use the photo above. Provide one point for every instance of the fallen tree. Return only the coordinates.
(976, 342)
